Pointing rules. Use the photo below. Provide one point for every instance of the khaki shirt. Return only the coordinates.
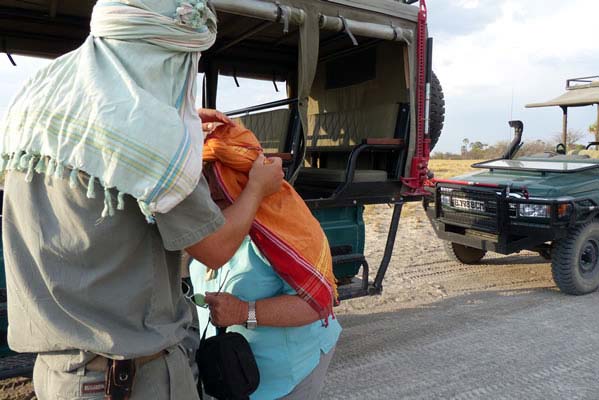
(110, 286)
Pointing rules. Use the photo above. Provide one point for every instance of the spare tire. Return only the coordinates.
(437, 111)
(463, 254)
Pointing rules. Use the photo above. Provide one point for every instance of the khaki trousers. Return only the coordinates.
(166, 378)
(311, 386)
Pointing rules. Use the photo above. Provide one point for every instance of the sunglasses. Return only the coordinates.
(197, 298)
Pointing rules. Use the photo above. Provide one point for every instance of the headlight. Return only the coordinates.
(445, 200)
(534, 210)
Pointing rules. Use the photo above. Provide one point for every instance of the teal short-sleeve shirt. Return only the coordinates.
(285, 356)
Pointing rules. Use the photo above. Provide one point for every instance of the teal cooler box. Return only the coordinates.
(344, 227)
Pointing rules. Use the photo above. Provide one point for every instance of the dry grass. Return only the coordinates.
(451, 168)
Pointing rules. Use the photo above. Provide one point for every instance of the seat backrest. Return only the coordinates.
(571, 157)
(591, 153)
(348, 128)
(358, 97)
(270, 128)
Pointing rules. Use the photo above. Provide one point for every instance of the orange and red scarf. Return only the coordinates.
(284, 229)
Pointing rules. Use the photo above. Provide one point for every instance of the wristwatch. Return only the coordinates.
(252, 322)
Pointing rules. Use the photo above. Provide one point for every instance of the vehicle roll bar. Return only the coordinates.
(262, 10)
(367, 29)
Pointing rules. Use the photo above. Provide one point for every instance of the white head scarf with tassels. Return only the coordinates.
(121, 107)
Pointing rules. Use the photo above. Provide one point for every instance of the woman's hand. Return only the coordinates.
(212, 118)
(266, 176)
(226, 309)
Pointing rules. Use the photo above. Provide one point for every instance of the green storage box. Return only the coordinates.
(345, 231)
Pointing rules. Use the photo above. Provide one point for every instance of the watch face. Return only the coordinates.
(251, 322)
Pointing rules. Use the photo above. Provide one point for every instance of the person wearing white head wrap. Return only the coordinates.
(94, 282)
(126, 114)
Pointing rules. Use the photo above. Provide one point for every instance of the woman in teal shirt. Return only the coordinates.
(293, 348)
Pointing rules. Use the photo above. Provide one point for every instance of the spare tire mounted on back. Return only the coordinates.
(437, 111)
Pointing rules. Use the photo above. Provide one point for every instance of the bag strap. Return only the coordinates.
(219, 330)
(203, 340)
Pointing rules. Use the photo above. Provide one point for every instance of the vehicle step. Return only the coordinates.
(347, 258)
(357, 288)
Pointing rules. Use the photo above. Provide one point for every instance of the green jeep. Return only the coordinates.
(353, 127)
(545, 202)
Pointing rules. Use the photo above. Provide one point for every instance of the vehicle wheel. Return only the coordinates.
(437, 111)
(464, 254)
(575, 264)
(545, 253)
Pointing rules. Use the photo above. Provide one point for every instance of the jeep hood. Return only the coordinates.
(539, 184)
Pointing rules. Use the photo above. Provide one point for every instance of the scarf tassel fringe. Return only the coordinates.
(50, 167)
(108, 207)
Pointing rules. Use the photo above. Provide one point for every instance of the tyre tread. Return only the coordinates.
(436, 110)
(561, 263)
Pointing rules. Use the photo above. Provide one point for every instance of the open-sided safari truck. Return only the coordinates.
(547, 202)
(353, 129)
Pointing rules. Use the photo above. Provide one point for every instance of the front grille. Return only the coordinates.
(475, 221)
(481, 208)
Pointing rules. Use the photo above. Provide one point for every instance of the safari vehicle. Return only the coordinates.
(354, 128)
(546, 202)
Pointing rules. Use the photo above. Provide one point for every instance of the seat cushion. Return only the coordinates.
(326, 175)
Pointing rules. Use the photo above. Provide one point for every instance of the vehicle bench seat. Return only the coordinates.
(571, 157)
(325, 176)
(590, 153)
(564, 157)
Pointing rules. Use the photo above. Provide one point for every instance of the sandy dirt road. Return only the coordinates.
(443, 330)
(517, 344)
(497, 330)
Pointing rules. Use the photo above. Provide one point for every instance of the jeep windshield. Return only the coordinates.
(530, 164)
(567, 156)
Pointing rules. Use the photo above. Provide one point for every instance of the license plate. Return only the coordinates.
(470, 205)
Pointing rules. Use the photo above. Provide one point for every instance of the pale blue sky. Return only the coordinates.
(492, 56)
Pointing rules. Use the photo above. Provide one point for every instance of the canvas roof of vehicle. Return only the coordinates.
(50, 28)
(575, 96)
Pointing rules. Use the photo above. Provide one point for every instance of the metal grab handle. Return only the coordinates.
(265, 106)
